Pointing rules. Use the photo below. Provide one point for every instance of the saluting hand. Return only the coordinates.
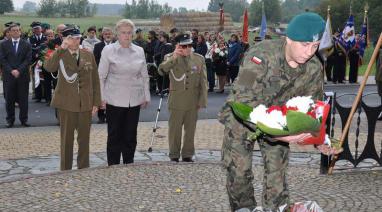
(177, 52)
(65, 43)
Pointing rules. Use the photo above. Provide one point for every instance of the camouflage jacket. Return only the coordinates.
(272, 81)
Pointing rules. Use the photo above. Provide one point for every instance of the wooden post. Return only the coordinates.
(357, 99)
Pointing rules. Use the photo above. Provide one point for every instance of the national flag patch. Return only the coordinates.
(256, 60)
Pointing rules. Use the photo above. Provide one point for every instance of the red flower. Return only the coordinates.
(312, 113)
(274, 107)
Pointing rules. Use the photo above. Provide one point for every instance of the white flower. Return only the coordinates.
(226, 52)
(257, 113)
(303, 103)
(221, 54)
(319, 112)
(274, 119)
(217, 50)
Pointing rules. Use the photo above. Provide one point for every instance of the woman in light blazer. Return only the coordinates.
(125, 90)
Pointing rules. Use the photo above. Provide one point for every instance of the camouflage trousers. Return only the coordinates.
(237, 159)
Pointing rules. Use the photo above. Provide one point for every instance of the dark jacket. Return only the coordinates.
(165, 48)
(201, 48)
(151, 50)
(36, 46)
(20, 61)
(98, 47)
(234, 51)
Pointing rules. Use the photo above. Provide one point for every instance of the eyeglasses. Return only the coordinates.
(186, 46)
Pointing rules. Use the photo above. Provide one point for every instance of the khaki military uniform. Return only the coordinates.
(74, 98)
(188, 92)
(272, 82)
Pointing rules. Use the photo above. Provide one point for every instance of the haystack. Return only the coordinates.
(203, 21)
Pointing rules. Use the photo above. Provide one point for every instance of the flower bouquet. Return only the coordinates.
(298, 115)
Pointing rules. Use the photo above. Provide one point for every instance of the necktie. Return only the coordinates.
(15, 46)
(74, 55)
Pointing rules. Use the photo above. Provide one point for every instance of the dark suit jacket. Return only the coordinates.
(20, 61)
(98, 47)
(36, 46)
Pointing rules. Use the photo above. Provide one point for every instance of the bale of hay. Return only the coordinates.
(203, 21)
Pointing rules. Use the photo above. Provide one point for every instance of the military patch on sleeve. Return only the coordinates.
(256, 60)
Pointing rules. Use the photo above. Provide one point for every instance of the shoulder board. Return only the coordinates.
(167, 56)
(196, 54)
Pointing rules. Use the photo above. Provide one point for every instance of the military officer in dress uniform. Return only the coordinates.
(37, 40)
(188, 93)
(77, 95)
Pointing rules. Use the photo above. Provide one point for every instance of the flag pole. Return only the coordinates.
(356, 101)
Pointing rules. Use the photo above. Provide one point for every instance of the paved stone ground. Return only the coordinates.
(170, 186)
(30, 181)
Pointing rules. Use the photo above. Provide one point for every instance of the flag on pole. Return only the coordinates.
(263, 30)
(245, 27)
(221, 17)
(363, 38)
(326, 43)
(347, 37)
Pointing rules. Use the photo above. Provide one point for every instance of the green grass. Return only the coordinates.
(84, 23)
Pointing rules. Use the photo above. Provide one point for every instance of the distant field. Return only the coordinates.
(84, 23)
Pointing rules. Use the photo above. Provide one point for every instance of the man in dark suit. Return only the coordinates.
(107, 38)
(15, 58)
(37, 40)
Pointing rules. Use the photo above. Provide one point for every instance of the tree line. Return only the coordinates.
(66, 8)
(143, 9)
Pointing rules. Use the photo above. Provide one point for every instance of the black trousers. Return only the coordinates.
(48, 85)
(16, 90)
(339, 69)
(101, 115)
(353, 72)
(233, 71)
(328, 68)
(122, 124)
(210, 74)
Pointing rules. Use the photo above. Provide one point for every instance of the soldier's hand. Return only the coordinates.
(327, 150)
(294, 139)
(177, 52)
(95, 110)
(65, 43)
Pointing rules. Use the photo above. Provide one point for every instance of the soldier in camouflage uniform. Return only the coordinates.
(273, 72)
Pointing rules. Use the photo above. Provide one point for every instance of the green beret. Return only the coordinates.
(306, 27)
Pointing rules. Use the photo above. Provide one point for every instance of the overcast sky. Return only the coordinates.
(189, 4)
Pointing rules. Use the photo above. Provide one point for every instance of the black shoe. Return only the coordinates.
(211, 90)
(101, 121)
(37, 101)
(175, 159)
(187, 160)
(9, 125)
(221, 91)
(24, 124)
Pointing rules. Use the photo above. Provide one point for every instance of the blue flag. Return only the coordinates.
(347, 37)
(363, 38)
(263, 30)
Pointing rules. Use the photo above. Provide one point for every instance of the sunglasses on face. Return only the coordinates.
(186, 46)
